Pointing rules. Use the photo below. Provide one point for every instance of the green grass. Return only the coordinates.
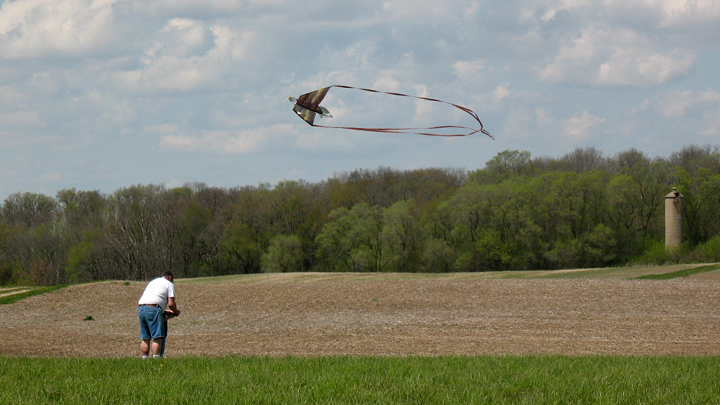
(363, 380)
(680, 273)
(9, 299)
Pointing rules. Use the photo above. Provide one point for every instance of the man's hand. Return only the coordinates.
(171, 314)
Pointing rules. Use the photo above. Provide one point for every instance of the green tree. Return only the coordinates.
(498, 226)
(578, 205)
(504, 165)
(28, 209)
(351, 240)
(700, 202)
(581, 160)
(82, 209)
(284, 255)
(138, 244)
(240, 250)
(710, 189)
(195, 244)
(40, 252)
(82, 264)
(437, 256)
(402, 237)
(6, 272)
(470, 211)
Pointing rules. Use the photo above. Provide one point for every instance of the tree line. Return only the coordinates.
(517, 213)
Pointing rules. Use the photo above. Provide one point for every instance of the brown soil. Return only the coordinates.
(384, 315)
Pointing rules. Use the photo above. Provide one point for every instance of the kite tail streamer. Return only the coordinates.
(412, 130)
(308, 106)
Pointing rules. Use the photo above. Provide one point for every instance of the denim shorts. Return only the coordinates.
(151, 322)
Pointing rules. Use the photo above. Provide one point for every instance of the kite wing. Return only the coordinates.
(307, 106)
(304, 113)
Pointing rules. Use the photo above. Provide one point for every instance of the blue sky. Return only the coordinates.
(105, 94)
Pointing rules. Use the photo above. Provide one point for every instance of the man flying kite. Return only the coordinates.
(307, 107)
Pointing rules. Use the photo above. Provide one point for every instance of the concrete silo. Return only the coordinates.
(673, 219)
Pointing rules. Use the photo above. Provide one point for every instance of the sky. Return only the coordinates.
(106, 94)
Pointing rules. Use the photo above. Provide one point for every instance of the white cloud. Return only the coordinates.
(225, 142)
(39, 28)
(676, 104)
(426, 11)
(468, 69)
(424, 110)
(702, 106)
(360, 53)
(163, 8)
(471, 10)
(11, 97)
(161, 129)
(321, 80)
(685, 12)
(500, 93)
(557, 6)
(319, 141)
(578, 127)
(605, 57)
(386, 83)
(712, 123)
(664, 13)
(222, 142)
(518, 124)
(21, 119)
(635, 66)
(176, 71)
(543, 117)
(183, 37)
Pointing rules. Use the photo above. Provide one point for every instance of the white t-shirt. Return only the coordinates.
(157, 292)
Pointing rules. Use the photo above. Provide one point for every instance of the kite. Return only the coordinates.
(307, 107)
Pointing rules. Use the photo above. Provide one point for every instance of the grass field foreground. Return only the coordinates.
(363, 380)
(502, 379)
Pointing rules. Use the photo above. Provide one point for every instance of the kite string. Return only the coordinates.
(407, 130)
(404, 130)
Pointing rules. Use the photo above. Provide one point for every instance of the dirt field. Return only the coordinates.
(388, 315)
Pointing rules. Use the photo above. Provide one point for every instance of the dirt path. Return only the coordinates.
(8, 291)
(311, 315)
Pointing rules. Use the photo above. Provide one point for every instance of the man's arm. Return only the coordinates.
(173, 307)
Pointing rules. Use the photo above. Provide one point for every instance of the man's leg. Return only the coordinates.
(164, 341)
(145, 333)
(144, 347)
(156, 346)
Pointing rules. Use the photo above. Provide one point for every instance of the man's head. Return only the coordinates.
(168, 275)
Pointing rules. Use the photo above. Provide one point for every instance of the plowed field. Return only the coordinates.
(573, 313)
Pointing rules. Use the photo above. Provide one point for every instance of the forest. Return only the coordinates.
(518, 212)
